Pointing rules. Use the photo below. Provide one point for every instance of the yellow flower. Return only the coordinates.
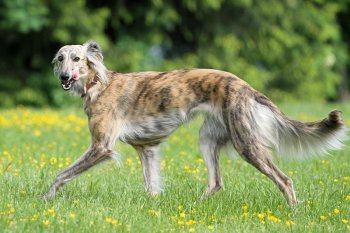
(190, 222)
(210, 227)
(273, 219)
(129, 162)
(336, 211)
(345, 221)
(245, 214)
(46, 222)
(109, 220)
(322, 217)
(51, 212)
(53, 160)
(347, 198)
(289, 223)
(180, 208)
(261, 216)
(114, 222)
(72, 215)
(181, 222)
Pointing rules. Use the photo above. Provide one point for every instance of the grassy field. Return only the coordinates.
(36, 144)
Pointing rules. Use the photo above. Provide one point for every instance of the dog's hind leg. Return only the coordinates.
(212, 136)
(259, 157)
(92, 157)
(150, 161)
(248, 144)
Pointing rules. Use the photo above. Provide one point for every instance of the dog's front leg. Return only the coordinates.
(92, 157)
(150, 161)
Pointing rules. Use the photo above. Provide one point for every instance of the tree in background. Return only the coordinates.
(286, 49)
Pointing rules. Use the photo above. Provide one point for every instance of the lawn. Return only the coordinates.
(36, 144)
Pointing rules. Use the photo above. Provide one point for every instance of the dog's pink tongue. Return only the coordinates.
(75, 75)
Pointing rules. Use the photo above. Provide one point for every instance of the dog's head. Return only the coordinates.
(75, 64)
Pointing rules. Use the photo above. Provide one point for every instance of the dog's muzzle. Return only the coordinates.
(66, 81)
(66, 85)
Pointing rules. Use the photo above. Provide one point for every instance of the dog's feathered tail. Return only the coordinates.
(294, 139)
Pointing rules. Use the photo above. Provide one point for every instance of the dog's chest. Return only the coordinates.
(150, 128)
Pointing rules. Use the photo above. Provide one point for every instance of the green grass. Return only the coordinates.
(35, 145)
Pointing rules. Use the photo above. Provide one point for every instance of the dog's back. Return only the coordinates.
(158, 102)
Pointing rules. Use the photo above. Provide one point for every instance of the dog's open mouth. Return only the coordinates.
(66, 85)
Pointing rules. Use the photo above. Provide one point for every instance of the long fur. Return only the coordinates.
(294, 139)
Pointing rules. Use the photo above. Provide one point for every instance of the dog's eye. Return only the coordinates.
(60, 58)
(76, 59)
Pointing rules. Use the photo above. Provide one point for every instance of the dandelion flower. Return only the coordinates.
(245, 208)
(322, 217)
(72, 215)
(336, 211)
(114, 222)
(345, 221)
(46, 222)
(289, 223)
(190, 222)
(51, 212)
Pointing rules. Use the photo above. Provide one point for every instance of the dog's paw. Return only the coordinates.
(210, 191)
(47, 197)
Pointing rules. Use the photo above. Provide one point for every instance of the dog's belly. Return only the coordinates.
(151, 129)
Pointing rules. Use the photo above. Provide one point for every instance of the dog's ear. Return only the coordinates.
(55, 64)
(54, 60)
(93, 51)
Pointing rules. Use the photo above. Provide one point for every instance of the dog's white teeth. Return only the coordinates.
(66, 85)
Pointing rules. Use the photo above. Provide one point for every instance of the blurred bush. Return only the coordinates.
(286, 49)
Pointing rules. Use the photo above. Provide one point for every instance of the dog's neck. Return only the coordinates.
(91, 83)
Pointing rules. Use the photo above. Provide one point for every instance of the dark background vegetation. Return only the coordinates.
(290, 49)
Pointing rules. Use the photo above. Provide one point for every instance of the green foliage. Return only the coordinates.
(74, 22)
(286, 49)
(23, 15)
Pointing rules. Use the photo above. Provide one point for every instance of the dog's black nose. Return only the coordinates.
(64, 77)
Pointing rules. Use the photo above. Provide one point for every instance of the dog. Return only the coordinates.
(144, 108)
